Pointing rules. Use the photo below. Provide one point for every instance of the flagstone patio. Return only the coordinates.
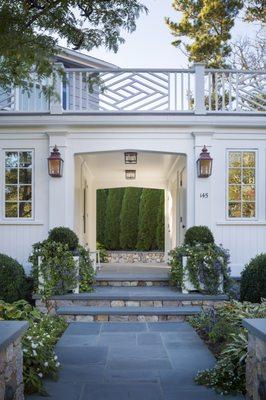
(111, 361)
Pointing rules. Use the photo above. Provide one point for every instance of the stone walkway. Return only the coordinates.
(135, 361)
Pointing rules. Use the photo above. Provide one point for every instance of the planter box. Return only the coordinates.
(41, 279)
(188, 286)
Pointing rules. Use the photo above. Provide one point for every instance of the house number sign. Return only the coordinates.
(204, 195)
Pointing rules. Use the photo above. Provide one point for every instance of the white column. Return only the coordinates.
(58, 186)
(56, 98)
(203, 186)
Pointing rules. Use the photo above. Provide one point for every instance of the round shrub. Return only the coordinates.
(64, 236)
(253, 280)
(198, 234)
(13, 282)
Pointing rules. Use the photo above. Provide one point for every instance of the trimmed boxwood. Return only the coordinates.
(64, 235)
(198, 234)
(13, 281)
(253, 280)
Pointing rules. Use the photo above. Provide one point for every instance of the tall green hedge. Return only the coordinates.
(160, 223)
(148, 216)
(112, 221)
(101, 214)
(129, 218)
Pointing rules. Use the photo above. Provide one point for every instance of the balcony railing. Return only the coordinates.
(196, 90)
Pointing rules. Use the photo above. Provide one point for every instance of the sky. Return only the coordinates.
(150, 45)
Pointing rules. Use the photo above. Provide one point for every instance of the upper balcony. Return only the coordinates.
(196, 91)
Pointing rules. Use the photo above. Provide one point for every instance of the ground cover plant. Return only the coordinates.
(222, 330)
(39, 358)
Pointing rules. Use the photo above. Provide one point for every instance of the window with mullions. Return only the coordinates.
(242, 184)
(18, 184)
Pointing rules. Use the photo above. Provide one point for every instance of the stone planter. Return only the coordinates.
(188, 286)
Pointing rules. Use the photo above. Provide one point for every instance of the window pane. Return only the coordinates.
(25, 175)
(249, 159)
(248, 193)
(234, 175)
(11, 210)
(25, 210)
(11, 159)
(11, 175)
(248, 210)
(11, 193)
(235, 159)
(248, 176)
(234, 192)
(234, 210)
(25, 159)
(25, 192)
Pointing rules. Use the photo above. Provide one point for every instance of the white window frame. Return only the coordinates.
(19, 219)
(242, 150)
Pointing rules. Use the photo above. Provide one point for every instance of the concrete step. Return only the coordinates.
(88, 314)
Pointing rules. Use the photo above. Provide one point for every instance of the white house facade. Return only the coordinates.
(166, 117)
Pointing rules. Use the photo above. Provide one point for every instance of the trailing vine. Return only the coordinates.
(206, 263)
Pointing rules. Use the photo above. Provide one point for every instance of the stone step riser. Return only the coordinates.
(125, 318)
(131, 283)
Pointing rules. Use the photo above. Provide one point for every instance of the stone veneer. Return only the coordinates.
(131, 257)
(11, 360)
(256, 359)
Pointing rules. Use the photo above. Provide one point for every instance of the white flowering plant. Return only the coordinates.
(39, 358)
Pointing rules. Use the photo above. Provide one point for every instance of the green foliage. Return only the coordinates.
(39, 358)
(198, 234)
(206, 25)
(101, 214)
(253, 280)
(103, 252)
(223, 328)
(255, 11)
(112, 224)
(58, 268)
(148, 212)
(30, 30)
(205, 265)
(160, 223)
(64, 236)
(13, 282)
(129, 218)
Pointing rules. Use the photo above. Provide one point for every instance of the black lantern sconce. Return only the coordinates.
(130, 174)
(131, 157)
(55, 164)
(204, 164)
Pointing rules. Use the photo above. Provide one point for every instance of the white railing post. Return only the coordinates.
(56, 98)
(200, 107)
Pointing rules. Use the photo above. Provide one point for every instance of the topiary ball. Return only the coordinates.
(65, 236)
(13, 281)
(198, 234)
(253, 280)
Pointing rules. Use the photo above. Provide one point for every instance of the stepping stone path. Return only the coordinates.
(107, 359)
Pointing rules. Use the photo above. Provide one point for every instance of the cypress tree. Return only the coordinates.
(129, 218)
(101, 214)
(148, 212)
(112, 222)
(160, 223)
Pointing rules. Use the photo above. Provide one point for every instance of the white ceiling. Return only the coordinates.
(108, 168)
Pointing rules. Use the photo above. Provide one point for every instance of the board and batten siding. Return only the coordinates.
(18, 235)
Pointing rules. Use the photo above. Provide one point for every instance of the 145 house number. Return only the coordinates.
(204, 195)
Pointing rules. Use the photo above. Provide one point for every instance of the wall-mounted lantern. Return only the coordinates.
(204, 164)
(131, 157)
(130, 174)
(55, 164)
